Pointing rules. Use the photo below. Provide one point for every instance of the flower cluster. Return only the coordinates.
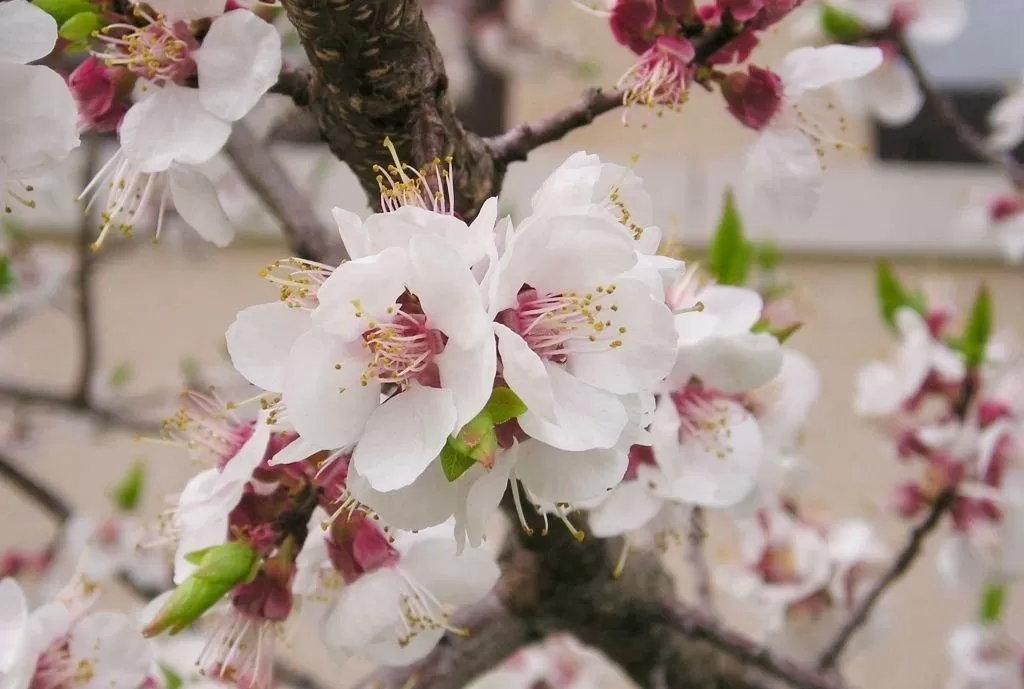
(952, 402)
(171, 97)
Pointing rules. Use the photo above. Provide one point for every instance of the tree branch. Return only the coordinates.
(296, 84)
(306, 235)
(50, 501)
(105, 416)
(84, 266)
(830, 656)
(964, 132)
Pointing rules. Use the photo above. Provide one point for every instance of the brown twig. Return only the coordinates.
(85, 262)
(830, 656)
(105, 416)
(516, 143)
(699, 561)
(50, 501)
(296, 84)
(964, 132)
(307, 236)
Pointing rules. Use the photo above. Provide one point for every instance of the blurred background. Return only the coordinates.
(161, 310)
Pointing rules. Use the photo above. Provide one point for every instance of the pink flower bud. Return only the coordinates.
(907, 500)
(632, 23)
(358, 546)
(1004, 207)
(268, 596)
(773, 12)
(94, 86)
(741, 10)
(711, 15)
(902, 15)
(910, 444)
(990, 411)
(753, 97)
(737, 50)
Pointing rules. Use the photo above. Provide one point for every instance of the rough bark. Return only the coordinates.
(379, 74)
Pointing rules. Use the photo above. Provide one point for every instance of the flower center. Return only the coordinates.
(129, 192)
(240, 650)
(702, 417)
(403, 185)
(403, 350)
(206, 428)
(556, 326)
(298, 281)
(157, 51)
(422, 611)
(661, 76)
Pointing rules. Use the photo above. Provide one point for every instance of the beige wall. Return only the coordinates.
(156, 308)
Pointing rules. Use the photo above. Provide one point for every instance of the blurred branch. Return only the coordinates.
(306, 235)
(85, 262)
(103, 415)
(945, 109)
(52, 503)
(830, 656)
(699, 561)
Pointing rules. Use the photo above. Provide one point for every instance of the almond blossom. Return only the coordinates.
(999, 214)
(782, 177)
(1006, 119)
(175, 127)
(38, 127)
(985, 657)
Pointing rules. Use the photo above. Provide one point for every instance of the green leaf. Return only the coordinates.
(171, 678)
(839, 25)
(127, 494)
(993, 598)
(504, 405)
(7, 279)
(766, 255)
(63, 10)
(454, 463)
(730, 254)
(780, 334)
(890, 292)
(977, 329)
(80, 27)
(120, 375)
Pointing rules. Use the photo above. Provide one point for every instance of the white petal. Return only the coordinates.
(665, 427)
(483, 495)
(736, 364)
(892, 93)
(13, 619)
(352, 231)
(366, 611)
(196, 200)
(296, 451)
(27, 33)
(260, 338)
(212, 532)
(187, 10)
(736, 309)
(170, 125)
(719, 467)
(328, 406)
(469, 374)
(451, 579)
(877, 392)
(647, 335)
(938, 21)
(960, 565)
(250, 455)
(393, 651)
(404, 436)
(449, 295)
(545, 253)
(427, 501)
(782, 178)
(119, 655)
(38, 120)
(586, 417)
(628, 507)
(807, 69)
(1007, 122)
(524, 372)
(786, 402)
(559, 476)
(239, 61)
(854, 541)
(571, 185)
(361, 291)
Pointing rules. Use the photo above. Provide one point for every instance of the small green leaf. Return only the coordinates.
(730, 254)
(839, 25)
(80, 27)
(993, 598)
(171, 678)
(63, 10)
(766, 255)
(454, 463)
(120, 375)
(977, 329)
(7, 279)
(504, 405)
(890, 292)
(127, 494)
